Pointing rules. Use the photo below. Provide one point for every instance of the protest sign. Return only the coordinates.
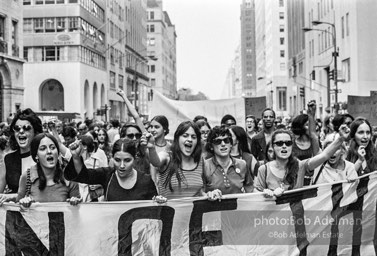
(331, 218)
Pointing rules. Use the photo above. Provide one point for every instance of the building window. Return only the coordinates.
(49, 1)
(151, 15)
(60, 24)
(151, 41)
(281, 40)
(121, 82)
(153, 82)
(346, 70)
(38, 25)
(38, 1)
(27, 2)
(342, 22)
(112, 80)
(152, 28)
(281, 3)
(281, 28)
(282, 66)
(300, 68)
(281, 15)
(73, 24)
(51, 53)
(153, 68)
(28, 26)
(15, 48)
(282, 98)
(347, 25)
(282, 53)
(50, 25)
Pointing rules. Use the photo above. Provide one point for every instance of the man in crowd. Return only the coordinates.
(259, 142)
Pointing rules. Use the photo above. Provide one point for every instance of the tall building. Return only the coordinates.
(138, 87)
(271, 53)
(115, 57)
(248, 54)
(162, 46)
(298, 90)
(65, 46)
(11, 60)
(233, 84)
(345, 27)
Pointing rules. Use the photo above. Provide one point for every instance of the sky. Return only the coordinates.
(208, 33)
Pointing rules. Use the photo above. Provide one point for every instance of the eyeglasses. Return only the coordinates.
(131, 136)
(204, 132)
(26, 128)
(288, 143)
(219, 141)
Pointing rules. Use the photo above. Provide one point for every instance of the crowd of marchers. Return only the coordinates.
(93, 161)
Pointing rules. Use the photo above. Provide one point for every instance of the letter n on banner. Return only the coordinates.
(163, 213)
(20, 238)
(198, 238)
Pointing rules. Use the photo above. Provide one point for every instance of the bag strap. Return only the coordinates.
(319, 173)
(28, 183)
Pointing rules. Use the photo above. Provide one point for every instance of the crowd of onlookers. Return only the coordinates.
(94, 161)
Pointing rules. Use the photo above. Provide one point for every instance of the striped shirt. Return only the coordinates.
(190, 185)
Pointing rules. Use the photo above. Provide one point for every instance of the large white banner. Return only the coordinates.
(330, 219)
(179, 111)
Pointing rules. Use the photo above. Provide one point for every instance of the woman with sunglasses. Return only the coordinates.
(44, 181)
(122, 182)
(25, 125)
(205, 128)
(133, 132)
(286, 172)
(362, 151)
(224, 174)
(180, 170)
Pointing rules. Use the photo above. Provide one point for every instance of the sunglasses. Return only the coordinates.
(219, 141)
(288, 143)
(26, 128)
(131, 136)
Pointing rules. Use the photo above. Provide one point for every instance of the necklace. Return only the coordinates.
(161, 145)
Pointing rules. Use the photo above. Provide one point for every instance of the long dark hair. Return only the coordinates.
(106, 144)
(176, 156)
(370, 157)
(241, 135)
(124, 145)
(28, 115)
(292, 165)
(58, 177)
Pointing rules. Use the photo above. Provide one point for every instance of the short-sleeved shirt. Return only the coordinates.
(266, 179)
(329, 174)
(144, 188)
(232, 181)
(191, 183)
(57, 192)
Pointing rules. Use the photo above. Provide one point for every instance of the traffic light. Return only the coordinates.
(331, 74)
(302, 91)
(313, 75)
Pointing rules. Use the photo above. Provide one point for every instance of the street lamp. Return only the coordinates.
(334, 54)
(272, 94)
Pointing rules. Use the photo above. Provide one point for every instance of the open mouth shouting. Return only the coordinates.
(23, 140)
(50, 160)
(364, 142)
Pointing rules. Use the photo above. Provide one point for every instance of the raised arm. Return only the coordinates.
(312, 108)
(132, 110)
(329, 151)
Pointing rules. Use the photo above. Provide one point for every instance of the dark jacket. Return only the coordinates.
(258, 146)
